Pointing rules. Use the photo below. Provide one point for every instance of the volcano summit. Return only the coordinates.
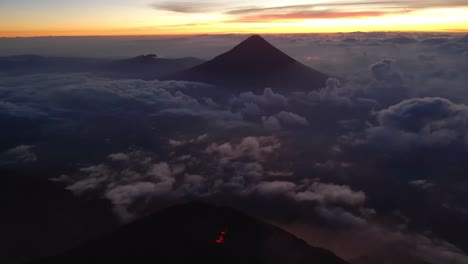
(254, 64)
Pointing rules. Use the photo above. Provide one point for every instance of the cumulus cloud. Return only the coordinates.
(220, 118)
(255, 148)
(343, 216)
(275, 188)
(452, 47)
(333, 165)
(437, 251)
(385, 86)
(123, 196)
(383, 70)
(180, 143)
(333, 94)
(56, 95)
(420, 122)
(388, 79)
(233, 169)
(52, 94)
(331, 194)
(119, 157)
(316, 192)
(423, 184)
(280, 173)
(253, 106)
(271, 123)
(425, 247)
(20, 110)
(18, 155)
(238, 163)
(289, 118)
(268, 99)
(142, 177)
(284, 119)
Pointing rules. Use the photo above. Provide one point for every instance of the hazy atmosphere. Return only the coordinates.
(163, 17)
(355, 142)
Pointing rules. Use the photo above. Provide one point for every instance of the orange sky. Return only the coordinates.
(146, 17)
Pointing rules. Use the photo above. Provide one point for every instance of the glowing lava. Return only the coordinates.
(221, 237)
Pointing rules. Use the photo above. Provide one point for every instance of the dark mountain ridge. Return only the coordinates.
(192, 232)
(149, 67)
(146, 67)
(254, 63)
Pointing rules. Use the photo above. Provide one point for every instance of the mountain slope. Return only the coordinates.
(255, 63)
(150, 67)
(190, 232)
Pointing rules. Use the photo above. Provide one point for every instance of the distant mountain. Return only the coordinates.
(32, 64)
(401, 40)
(150, 66)
(196, 232)
(147, 67)
(255, 63)
(435, 41)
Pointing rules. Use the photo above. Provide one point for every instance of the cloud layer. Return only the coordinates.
(366, 158)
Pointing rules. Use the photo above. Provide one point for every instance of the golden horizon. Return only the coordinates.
(185, 19)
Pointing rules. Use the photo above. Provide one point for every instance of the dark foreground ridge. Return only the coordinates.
(254, 63)
(197, 232)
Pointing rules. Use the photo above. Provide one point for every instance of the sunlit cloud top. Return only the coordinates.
(156, 17)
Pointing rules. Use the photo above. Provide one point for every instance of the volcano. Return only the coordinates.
(254, 63)
(194, 232)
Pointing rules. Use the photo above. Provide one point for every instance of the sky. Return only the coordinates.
(23, 18)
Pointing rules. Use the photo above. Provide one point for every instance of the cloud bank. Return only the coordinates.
(367, 157)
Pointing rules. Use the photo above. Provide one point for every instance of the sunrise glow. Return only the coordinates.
(146, 17)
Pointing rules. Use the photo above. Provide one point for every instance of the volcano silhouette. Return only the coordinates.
(197, 233)
(254, 63)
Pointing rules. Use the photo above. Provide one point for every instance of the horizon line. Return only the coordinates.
(452, 31)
